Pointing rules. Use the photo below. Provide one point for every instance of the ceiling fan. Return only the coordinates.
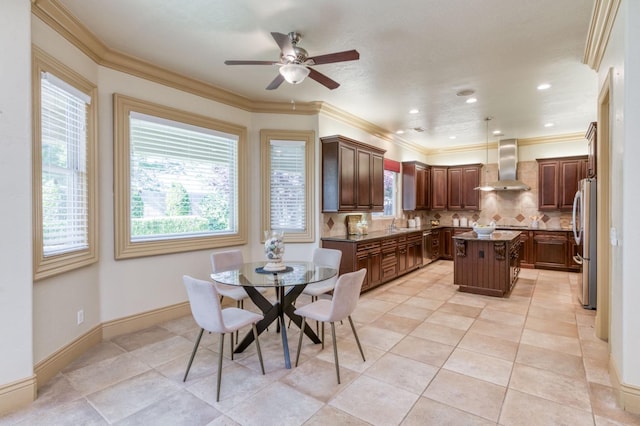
(295, 63)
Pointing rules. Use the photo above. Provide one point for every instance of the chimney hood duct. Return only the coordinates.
(507, 161)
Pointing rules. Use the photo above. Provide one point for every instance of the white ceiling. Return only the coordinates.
(413, 54)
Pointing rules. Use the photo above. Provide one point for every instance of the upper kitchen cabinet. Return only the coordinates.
(416, 186)
(461, 182)
(438, 188)
(352, 176)
(558, 180)
(592, 137)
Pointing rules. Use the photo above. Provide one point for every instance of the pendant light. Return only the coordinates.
(486, 187)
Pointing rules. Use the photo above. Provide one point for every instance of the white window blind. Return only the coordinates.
(288, 186)
(184, 179)
(64, 166)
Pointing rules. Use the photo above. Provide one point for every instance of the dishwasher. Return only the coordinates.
(427, 248)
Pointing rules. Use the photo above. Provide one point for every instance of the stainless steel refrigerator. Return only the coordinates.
(584, 231)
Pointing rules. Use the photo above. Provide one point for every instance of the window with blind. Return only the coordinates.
(288, 185)
(64, 144)
(178, 180)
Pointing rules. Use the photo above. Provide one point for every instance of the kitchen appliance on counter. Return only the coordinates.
(584, 231)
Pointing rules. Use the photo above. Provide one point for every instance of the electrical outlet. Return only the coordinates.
(80, 316)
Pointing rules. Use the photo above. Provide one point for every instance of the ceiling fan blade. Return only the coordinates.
(285, 44)
(347, 55)
(323, 79)
(276, 82)
(251, 62)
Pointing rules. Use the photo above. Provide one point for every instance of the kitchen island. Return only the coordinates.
(486, 265)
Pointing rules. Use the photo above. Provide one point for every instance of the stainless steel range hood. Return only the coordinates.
(507, 161)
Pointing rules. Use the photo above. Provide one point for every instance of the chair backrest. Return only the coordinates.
(226, 260)
(328, 257)
(205, 304)
(346, 294)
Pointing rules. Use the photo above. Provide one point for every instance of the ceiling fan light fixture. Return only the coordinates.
(294, 73)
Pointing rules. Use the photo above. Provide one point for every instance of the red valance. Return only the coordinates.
(392, 165)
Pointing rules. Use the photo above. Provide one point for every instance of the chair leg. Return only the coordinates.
(335, 350)
(356, 336)
(231, 340)
(220, 349)
(322, 329)
(300, 341)
(239, 305)
(255, 335)
(193, 354)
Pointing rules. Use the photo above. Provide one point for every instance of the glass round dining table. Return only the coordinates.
(288, 285)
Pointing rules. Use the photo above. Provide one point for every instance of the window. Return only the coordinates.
(391, 173)
(64, 168)
(179, 181)
(287, 200)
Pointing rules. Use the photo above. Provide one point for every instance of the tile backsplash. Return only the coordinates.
(505, 207)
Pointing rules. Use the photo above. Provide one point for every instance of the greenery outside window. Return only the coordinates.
(64, 168)
(287, 193)
(179, 180)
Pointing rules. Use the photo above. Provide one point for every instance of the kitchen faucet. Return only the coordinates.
(393, 224)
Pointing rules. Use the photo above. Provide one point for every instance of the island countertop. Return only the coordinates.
(494, 236)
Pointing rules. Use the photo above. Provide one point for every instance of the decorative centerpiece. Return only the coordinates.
(484, 231)
(274, 250)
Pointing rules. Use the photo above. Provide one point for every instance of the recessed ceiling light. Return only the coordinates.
(399, 132)
(414, 111)
(544, 86)
(471, 101)
(548, 124)
(452, 137)
(466, 92)
(495, 132)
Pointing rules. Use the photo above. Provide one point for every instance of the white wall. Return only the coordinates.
(15, 189)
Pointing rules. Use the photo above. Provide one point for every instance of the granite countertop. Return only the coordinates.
(494, 236)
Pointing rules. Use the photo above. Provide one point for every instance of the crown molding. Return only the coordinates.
(569, 137)
(603, 17)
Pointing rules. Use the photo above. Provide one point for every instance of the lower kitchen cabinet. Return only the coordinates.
(526, 249)
(385, 258)
(550, 249)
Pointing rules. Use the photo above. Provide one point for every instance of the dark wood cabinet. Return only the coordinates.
(558, 180)
(438, 188)
(435, 244)
(416, 186)
(385, 258)
(592, 137)
(550, 249)
(526, 249)
(352, 176)
(446, 243)
(461, 181)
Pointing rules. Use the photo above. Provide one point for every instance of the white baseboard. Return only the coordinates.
(628, 396)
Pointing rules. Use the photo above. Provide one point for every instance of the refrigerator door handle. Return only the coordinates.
(575, 217)
(578, 259)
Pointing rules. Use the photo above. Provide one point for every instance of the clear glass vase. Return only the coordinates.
(274, 250)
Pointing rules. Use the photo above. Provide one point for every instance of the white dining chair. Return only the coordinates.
(225, 261)
(345, 298)
(209, 315)
(324, 257)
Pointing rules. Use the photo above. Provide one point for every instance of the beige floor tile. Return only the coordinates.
(375, 304)
(328, 415)
(467, 299)
(378, 337)
(460, 309)
(132, 395)
(422, 350)
(161, 352)
(502, 317)
(77, 412)
(365, 315)
(489, 328)
(568, 345)
(100, 352)
(277, 404)
(396, 323)
(597, 371)
(105, 373)
(543, 312)
(545, 384)
(466, 393)
(488, 345)
(556, 362)
(450, 320)
(480, 366)
(560, 328)
(389, 296)
(405, 373)
(524, 409)
(438, 333)
(179, 408)
(430, 412)
(406, 310)
(317, 378)
(604, 404)
(374, 401)
(424, 302)
(405, 290)
(133, 341)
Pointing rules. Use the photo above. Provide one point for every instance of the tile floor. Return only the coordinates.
(434, 357)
